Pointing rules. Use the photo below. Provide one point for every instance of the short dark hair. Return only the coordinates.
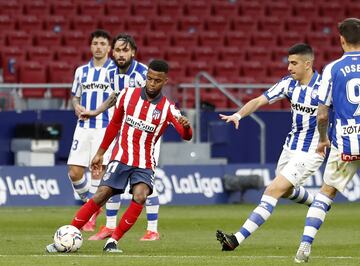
(159, 66)
(100, 33)
(126, 38)
(350, 30)
(302, 49)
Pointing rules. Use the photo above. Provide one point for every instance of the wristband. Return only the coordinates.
(238, 116)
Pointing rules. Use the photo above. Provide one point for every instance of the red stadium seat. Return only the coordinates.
(18, 38)
(68, 54)
(60, 72)
(271, 24)
(237, 38)
(11, 8)
(169, 8)
(115, 8)
(353, 10)
(47, 38)
(277, 70)
(164, 24)
(263, 39)
(38, 8)
(6, 23)
(137, 24)
(325, 25)
(234, 53)
(255, 70)
(112, 24)
(92, 8)
(287, 39)
(210, 38)
(32, 72)
(253, 9)
(29, 23)
(226, 9)
(217, 23)
(184, 39)
(280, 54)
(258, 54)
(75, 38)
(304, 9)
(332, 53)
(84, 23)
(193, 68)
(144, 9)
(244, 24)
(56, 23)
(65, 8)
(41, 54)
(332, 10)
(318, 39)
(177, 72)
(278, 9)
(190, 23)
(227, 69)
(298, 24)
(214, 97)
(157, 38)
(148, 53)
(204, 53)
(177, 53)
(197, 8)
(11, 58)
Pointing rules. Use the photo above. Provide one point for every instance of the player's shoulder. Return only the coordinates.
(141, 68)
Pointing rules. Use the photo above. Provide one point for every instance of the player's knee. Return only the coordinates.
(102, 195)
(140, 193)
(75, 172)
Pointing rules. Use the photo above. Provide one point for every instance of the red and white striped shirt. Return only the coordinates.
(140, 123)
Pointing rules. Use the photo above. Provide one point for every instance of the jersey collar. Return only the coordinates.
(154, 101)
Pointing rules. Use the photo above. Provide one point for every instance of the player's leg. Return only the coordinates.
(260, 214)
(152, 214)
(336, 176)
(79, 181)
(141, 186)
(87, 210)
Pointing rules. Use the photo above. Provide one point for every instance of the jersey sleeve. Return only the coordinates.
(277, 91)
(325, 88)
(141, 79)
(76, 86)
(174, 114)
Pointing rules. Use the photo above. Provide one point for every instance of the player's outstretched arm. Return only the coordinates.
(110, 101)
(323, 122)
(246, 110)
(78, 108)
(182, 126)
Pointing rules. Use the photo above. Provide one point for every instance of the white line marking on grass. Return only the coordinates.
(175, 256)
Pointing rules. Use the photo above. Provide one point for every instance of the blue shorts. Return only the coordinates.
(118, 175)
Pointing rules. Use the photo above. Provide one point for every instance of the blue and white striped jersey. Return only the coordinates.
(91, 85)
(135, 77)
(340, 87)
(304, 103)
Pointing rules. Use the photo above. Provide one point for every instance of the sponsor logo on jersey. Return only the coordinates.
(303, 108)
(349, 158)
(350, 129)
(140, 124)
(95, 86)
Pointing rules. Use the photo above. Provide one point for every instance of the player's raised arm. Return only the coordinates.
(246, 110)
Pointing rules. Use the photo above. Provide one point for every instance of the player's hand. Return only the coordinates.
(230, 118)
(78, 109)
(321, 148)
(86, 114)
(184, 121)
(96, 164)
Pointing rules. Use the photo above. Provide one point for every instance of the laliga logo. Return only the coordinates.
(2, 192)
(163, 186)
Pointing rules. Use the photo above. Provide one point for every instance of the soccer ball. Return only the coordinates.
(68, 239)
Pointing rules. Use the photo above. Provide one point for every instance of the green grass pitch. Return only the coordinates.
(187, 237)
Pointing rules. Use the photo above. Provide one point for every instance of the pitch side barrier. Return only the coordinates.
(177, 185)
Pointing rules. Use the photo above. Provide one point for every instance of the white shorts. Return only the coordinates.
(337, 172)
(86, 142)
(296, 166)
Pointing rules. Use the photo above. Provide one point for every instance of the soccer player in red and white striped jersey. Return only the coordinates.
(141, 117)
